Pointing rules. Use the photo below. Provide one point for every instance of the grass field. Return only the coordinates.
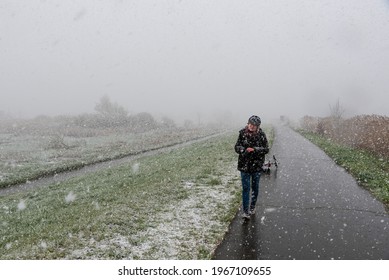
(175, 205)
(31, 155)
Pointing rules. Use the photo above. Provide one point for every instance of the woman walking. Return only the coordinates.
(252, 146)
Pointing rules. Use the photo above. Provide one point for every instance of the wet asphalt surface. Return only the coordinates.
(308, 209)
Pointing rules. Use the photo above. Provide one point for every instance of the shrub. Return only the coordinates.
(56, 142)
(367, 132)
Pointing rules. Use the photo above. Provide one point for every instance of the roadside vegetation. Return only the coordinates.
(360, 145)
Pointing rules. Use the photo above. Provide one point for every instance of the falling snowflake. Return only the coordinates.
(96, 204)
(43, 245)
(70, 197)
(21, 205)
(135, 168)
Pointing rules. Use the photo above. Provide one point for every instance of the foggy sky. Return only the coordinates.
(195, 57)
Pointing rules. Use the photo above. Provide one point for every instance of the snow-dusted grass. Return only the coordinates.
(26, 157)
(175, 205)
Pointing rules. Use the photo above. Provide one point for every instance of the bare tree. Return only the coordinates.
(111, 110)
(337, 112)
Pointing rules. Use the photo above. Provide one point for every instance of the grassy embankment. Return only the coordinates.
(370, 171)
(175, 205)
(28, 157)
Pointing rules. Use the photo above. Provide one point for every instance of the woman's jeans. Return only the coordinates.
(250, 181)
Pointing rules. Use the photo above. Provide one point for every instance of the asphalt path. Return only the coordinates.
(309, 209)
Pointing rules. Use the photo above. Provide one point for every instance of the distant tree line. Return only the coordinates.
(110, 114)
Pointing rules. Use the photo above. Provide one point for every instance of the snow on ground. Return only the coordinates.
(184, 225)
(178, 232)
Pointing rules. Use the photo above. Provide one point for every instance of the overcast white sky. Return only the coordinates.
(188, 57)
